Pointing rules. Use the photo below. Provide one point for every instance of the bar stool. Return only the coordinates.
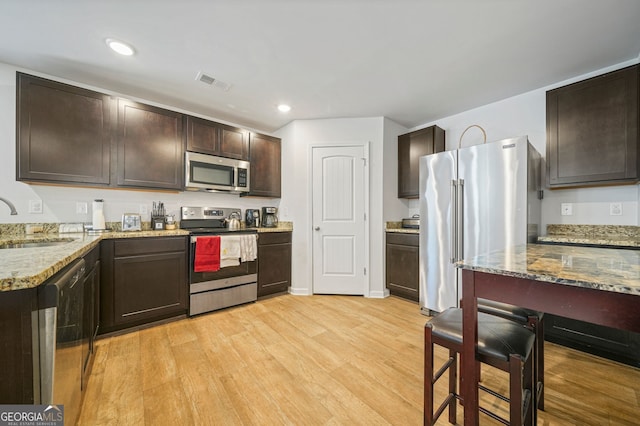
(532, 319)
(502, 344)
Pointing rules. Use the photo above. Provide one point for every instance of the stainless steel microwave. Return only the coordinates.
(210, 173)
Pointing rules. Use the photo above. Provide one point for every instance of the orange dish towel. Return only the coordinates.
(207, 258)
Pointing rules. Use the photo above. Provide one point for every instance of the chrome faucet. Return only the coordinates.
(11, 206)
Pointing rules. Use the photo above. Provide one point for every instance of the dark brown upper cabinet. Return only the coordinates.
(63, 133)
(412, 146)
(150, 146)
(265, 158)
(592, 131)
(209, 137)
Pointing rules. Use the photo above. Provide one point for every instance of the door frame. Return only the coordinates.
(365, 149)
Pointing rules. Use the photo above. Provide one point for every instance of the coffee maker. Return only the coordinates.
(252, 218)
(270, 217)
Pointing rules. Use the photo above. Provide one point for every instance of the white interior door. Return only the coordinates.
(339, 220)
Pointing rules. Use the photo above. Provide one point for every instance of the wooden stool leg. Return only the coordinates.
(453, 383)
(539, 374)
(515, 390)
(428, 377)
(537, 325)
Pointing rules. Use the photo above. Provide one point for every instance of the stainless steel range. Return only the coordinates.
(230, 285)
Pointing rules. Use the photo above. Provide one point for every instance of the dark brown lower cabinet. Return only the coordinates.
(19, 333)
(16, 347)
(403, 265)
(274, 262)
(618, 345)
(143, 280)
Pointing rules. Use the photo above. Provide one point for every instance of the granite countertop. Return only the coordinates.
(595, 235)
(29, 267)
(22, 268)
(282, 227)
(396, 227)
(608, 269)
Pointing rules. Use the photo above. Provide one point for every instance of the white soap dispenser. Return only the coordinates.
(98, 215)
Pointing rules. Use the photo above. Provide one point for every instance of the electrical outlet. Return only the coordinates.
(35, 206)
(144, 209)
(615, 209)
(566, 209)
(81, 207)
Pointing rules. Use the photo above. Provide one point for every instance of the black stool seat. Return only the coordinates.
(504, 310)
(503, 344)
(497, 337)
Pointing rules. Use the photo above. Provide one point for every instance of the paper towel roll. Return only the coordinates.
(98, 215)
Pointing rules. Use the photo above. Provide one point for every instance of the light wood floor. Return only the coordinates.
(316, 360)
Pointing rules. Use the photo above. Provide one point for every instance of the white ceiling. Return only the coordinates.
(413, 61)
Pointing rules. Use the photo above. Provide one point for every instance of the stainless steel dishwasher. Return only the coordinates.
(58, 341)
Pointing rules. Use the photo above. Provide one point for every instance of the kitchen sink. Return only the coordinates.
(34, 244)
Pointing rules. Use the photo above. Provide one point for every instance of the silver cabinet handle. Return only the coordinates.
(317, 228)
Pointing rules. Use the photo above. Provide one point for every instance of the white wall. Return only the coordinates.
(525, 115)
(297, 139)
(59, 202)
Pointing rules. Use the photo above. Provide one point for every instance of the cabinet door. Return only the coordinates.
(592, 131)
(63, 133)
(610, 343)
(209, 137)
(234, 143)
(264, 154)
(274, 263)
(150, 147)
(202, 136)
(403, 267)
(149, 287)
(16, 328)
(141, 280)
(411, 147)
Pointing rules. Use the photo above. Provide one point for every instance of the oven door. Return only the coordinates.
(229, 286)
(245, 268)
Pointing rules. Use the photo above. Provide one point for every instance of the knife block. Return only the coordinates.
(157, 223)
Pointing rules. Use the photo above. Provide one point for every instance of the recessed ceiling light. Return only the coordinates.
(284, 108)
(120, 47)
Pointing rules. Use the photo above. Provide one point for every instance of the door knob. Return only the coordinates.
(317, 228)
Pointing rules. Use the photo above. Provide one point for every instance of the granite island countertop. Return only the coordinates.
(609, 269)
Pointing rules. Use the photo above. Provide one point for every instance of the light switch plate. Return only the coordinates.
(566, 209)
(81, 207)
(35, 206)
(615, 209)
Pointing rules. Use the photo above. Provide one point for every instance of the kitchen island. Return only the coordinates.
(597, 285)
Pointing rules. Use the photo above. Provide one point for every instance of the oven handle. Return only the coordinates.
(195, 238)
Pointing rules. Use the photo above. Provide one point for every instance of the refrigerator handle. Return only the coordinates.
(453, 222)
(460, 225)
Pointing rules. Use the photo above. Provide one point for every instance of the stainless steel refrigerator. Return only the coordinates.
(474, 200)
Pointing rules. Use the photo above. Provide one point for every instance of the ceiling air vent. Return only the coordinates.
(207, 79)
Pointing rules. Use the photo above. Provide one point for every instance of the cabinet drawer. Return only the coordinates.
(403, 239)
(135, 246)
(274, 238)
